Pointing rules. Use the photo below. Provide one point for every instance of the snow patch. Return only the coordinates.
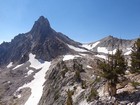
(10, 64)
(101, 56)
(9, 82)
(129, 48)
(19, 96)
(128, 52)
(90, 46)
(83, 54)
(35, 63)
(36, 85)
(84, 102)
(30, 72)
(89, 67)
(95, 44)
(17, 66)
(138, 103)
(104, 50)
(76, 48)
(68, 57)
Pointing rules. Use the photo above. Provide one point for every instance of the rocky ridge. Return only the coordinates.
(44, 67)
(42, 41)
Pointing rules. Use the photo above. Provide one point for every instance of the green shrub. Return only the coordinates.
(83, 84)
(77, 76)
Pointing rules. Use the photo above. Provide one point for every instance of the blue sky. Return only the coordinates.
(81, 20)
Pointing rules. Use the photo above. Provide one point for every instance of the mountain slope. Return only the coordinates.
(109, 45)
(42, 41)
(45, 67)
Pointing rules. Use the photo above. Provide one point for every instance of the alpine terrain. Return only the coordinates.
(45, 67)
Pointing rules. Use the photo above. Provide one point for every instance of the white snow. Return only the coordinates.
(91, 46)
(129, 48)
(113, 52)
(83, 54)
(84, 102)
(138, 103)
(35, 63)
(104, 50)
(95, 44)
(128, 52)
(30, 72)
(10, 64)
(9, 82)
(76, 48)
(19, 96)
(17, 66)
(89, 67)
(101, 56)
(36, 85)
(68, 57)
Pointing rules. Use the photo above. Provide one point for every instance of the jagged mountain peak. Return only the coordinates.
(110, 37)
(43, 21)
(42, 25)
(42, 41)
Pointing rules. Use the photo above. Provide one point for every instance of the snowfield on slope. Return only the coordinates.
(105, 50)
(17, 66)
(101, 56)
(36, 85)
(76, 48)
(35, 63)
(10, 65)
(128, 52)
(90, 46)
(69, 57)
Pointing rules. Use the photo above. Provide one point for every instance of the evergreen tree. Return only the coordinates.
(77, 76)
(77, 68)
(69, 98)
(135, 57)
(112, 69)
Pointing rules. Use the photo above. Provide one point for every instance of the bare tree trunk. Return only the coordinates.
(107, 89)
(113, 89)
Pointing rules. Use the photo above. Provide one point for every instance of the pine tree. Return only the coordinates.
(112, 69)
(135, 57)
(69, 98)
(77, 68)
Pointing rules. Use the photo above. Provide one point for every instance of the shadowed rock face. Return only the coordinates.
(42, 41)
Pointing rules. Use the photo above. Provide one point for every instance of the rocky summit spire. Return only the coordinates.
(42, 25)
(43, 21)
